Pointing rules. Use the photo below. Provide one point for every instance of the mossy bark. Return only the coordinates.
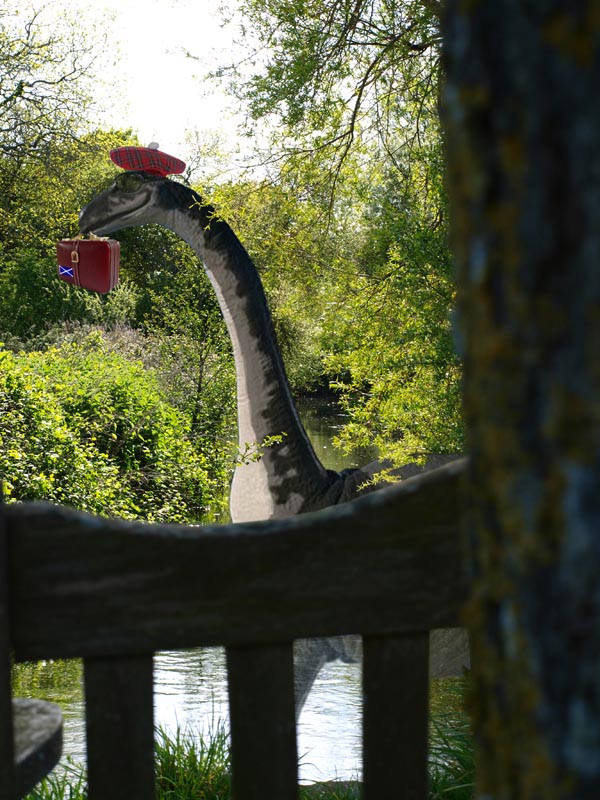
(522, 125)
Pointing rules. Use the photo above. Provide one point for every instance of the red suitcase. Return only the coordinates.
(91, 263)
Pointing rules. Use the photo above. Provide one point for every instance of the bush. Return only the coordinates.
(85, 427)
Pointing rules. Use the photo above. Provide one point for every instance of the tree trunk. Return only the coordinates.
(522, 121)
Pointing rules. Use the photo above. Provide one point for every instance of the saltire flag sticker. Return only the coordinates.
(66, 271)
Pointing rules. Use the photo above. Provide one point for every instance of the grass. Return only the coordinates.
(330, 790)
(70, 784)
(451, 755)
(188, 768)
(192, 768)
(451, 760)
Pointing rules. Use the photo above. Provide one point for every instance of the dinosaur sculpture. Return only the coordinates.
(289, 478)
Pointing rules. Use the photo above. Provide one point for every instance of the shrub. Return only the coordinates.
(88, 428)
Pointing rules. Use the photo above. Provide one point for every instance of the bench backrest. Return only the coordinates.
(387, 566)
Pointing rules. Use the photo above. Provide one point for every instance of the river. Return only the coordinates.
(190, 693)
(191, 685)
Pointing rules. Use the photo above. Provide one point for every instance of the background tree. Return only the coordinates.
(299, 253)
(45, 89)
(55, 397)
(39, 204)
(87, 427)
(353, 89)
(524, 160)
(336, 74)
(45, 141)
(393, 358)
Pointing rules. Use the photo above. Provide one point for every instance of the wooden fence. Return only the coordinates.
(387, 566)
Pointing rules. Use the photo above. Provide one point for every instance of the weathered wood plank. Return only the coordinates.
(386, 563)
(395, 717)
(264, 756)
(37, 743)
(6, 722)
(120, 728)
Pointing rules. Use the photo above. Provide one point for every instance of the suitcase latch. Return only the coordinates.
(74, 257)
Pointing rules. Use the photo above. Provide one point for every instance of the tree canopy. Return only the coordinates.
(339, 76)
(351, 90)
(45, 94)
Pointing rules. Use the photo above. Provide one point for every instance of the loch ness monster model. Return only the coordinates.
(289, 478)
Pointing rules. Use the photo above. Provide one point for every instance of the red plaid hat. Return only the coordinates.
(147, 159)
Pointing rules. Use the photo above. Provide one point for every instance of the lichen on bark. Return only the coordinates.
(523, 147)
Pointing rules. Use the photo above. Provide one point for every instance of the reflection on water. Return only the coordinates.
(323, 420)
(59, 682)
(191, 692)
(329, 742)
(190, 689)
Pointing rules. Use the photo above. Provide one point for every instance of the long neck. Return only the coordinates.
(288, 477)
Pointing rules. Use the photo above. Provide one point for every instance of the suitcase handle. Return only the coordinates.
(90, 235)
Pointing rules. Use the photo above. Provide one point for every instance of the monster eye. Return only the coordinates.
(129, 182)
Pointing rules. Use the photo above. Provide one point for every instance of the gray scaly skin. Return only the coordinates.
(289, 478)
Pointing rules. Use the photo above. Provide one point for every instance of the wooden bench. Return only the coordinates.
(387, 566)
(30, 730)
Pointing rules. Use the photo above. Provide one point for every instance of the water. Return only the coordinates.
(191, 686)
(322, 421)
(191, 692)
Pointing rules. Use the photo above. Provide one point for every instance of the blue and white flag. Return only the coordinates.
(66, 272)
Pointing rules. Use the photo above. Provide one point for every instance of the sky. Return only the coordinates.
(162, 92)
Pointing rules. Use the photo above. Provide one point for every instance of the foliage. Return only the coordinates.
(397, 370)
(299, 254)
(40, 200)
(351, 89)
(358, 278)
(39, 203)
(45, 92)
(68, 784)
(362, 294)
(59, 681)
(84, 427)
(451, 752)
(331, 790)
(187, 767)
(50, 165)
(335, 76)
(188, 333)
(33, 300)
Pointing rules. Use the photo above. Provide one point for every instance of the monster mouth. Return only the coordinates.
(107, 227)
(109, 224)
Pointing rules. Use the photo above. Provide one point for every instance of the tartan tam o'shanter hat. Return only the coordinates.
(147, 159)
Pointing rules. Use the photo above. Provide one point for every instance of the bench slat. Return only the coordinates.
(395, 717)
(264, 756)
(120, 728)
